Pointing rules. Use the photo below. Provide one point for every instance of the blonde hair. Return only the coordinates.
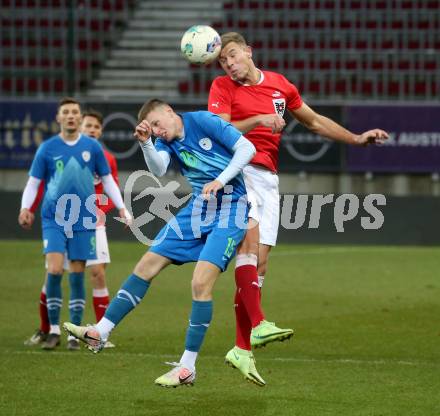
(148, 107)
(233, 37)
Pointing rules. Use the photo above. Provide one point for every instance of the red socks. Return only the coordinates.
(44, 317)
(243, 325)
(101, 300)
(247, 298)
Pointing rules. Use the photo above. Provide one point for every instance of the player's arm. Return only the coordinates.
(326, 127)
(109, 184)
(157, 161)
(30, 192)
(114, 172)
(112, 190)
(243, 151)
(273, 121)
(38, 198)
(26, 216)
(219, 102)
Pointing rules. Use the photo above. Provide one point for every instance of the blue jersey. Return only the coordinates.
(205, 150)
(69, 170)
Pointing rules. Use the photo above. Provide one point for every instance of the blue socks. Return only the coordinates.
(200, 318)
(54, 298)
(128, 297)
(77, 300)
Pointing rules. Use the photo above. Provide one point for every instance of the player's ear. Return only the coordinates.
(248, 51)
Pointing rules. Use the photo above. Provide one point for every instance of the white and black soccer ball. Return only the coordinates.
(200, 44)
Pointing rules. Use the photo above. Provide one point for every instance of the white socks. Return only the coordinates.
(55, 329)
(189, 360)
(104, 327)
(100, 293)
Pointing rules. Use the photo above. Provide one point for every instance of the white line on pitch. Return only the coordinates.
(343, 250)
(218, 357)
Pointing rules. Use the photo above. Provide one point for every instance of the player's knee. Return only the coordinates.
(55, 269)
(200, 289)
(77, 266)
(98, 279)
(248, 247)
(146, 269)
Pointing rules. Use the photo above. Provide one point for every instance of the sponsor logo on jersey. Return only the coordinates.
(279, 105)
(57, 157)
(86, 156)
(276, 94)
(215, 104)
(205, 143)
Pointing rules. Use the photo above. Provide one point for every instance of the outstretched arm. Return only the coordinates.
(328, 128)
(274, 121)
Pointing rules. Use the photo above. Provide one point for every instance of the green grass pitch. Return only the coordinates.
(367, 341)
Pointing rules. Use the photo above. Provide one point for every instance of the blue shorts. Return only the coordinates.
(81, 246)
(199, 232)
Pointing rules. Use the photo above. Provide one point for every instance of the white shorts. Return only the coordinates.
(264, 196)
(102, 251)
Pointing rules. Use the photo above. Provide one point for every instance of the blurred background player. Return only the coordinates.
(67, 163)
(254, 101)
(211, 153)
(91, 126)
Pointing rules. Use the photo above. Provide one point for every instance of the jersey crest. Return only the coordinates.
(205, 143)
(86, 156)
(279, 105)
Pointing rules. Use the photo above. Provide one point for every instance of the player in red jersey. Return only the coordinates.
(254, 101)
(91, 126)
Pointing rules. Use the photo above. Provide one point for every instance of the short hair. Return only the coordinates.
(148, 107)
(68, 100)
(93, 113)
(233, 37)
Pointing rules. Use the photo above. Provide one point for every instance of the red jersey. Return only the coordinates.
(99, 188)
(273, 94)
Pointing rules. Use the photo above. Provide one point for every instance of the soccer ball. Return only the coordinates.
(200, 44)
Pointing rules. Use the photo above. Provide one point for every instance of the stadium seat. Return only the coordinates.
(34, 38)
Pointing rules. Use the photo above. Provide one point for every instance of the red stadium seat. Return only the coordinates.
(45, 85)
(19, 85)
(341, 87)
(433, 4)
(430, 66)
(6, 84)
(298, 64)
(59, 85)
(367, 87)
(325, 65)
(32, 85)
(314, 87)
(420, 87)
(393, 88)
(273, 64)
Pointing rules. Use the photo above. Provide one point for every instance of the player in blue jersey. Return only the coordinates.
(211, 154)
(67, 163)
